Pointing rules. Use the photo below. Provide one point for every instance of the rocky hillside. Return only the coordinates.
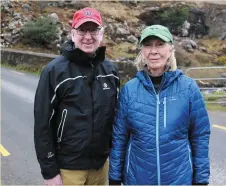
(199, 28)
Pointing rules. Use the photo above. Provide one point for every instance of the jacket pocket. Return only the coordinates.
(164, 103)
(61, 125)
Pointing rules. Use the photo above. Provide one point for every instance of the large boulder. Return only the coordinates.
(54, 18)
(198, 27)
(189, 45)
(185, 28)
(132, 39)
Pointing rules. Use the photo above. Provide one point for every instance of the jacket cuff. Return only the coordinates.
(49, 174)
(199, 184)
(114, 182)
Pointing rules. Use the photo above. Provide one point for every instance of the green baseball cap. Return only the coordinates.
(159, 31)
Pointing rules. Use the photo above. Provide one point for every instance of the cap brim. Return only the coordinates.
(84, 21)
(164, 38)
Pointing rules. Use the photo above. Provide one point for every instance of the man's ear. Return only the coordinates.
(72, 35)
(102, 35)
(102, 38)
(72, 32)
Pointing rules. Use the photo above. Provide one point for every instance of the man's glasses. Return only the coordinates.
(92, 32)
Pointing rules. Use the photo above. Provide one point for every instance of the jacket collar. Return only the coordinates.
(79, 57)
(168, 78)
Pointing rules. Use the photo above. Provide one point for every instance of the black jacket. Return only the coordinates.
(74, 110)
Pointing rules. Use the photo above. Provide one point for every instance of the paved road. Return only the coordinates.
(17, 94)
(21, 167)
(218, 148)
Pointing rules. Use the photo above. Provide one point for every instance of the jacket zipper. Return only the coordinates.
(189, 155)
(157, 130)
(53, 112)
(61, 125)
(91, 87)
(164, 102)
(157, 139)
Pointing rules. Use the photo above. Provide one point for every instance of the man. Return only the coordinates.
(74, 107)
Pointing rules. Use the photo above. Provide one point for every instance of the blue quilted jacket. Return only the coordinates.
(163, 138)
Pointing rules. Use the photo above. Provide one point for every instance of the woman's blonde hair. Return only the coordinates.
(140, 61)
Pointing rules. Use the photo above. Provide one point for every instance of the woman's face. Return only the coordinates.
(156, 53)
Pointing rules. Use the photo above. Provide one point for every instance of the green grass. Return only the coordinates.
(203, 59)
(121, 50)
(213, 97)
(211, 44)
(215, 107)
(22, 68)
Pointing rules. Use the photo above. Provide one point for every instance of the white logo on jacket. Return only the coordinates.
(50, 155)
(105, 86)
(173, 98)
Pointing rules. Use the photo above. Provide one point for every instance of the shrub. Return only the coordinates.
(221, 60)
(174, 17)
(40, 32)
(203, 58)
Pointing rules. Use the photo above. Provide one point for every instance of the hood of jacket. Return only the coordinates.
(79, 57)
(168, 78)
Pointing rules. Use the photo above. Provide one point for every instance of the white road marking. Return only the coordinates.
(220, 127)
(17, 72)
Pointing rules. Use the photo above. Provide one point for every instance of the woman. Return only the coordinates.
(161, 133)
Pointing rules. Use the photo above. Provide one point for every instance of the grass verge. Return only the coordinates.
(21, 68)
(215, 107)
(215, 97)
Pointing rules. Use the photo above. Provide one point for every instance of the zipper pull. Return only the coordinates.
(158, 99)
(91, 63)
(164, 101)
(58, 146)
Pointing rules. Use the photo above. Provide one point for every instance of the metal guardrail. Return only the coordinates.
(210, 79)
(201, 68)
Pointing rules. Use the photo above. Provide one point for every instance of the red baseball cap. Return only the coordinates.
(85, 15)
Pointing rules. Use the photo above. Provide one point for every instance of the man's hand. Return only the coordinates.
(54, 181)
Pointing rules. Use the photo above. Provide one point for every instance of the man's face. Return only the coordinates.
(87, 37)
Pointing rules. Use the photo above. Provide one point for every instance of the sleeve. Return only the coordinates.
(117, 80)
(117, 85)
(199, 134)
(43, 139)
(120, 138)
